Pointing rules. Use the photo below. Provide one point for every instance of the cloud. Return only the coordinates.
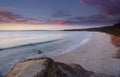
(58, 22)
(5, 15)
(65, 18)
(94, 19)
(59, 13)
(111, 7)
(10, 17)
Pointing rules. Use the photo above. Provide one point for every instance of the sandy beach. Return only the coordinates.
(96, 55)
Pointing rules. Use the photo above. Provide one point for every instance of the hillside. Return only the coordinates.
(114, 29)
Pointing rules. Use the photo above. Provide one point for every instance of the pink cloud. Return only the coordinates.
(5, 15)
(58, 22)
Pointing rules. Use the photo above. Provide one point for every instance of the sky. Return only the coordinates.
(60, 12)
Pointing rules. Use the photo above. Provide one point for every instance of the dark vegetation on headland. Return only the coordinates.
(113, 30)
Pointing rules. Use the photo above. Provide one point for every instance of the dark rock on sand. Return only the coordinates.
(46, 67)
(39, 52)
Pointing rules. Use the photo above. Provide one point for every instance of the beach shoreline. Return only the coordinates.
(94, 55)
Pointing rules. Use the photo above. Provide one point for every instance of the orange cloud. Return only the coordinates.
(58, 22)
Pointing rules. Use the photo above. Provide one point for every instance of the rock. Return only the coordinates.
(39, 52)
(117, 55)
(46, 67)
(115, 40)
(30, 67)
(81, 72)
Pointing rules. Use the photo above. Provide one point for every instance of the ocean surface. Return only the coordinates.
(10, 39)
(16, 46)
(17, 38)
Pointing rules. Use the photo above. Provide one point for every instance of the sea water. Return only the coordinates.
(16, 38)
(18, 45)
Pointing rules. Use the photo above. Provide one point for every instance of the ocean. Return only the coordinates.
(16, 46)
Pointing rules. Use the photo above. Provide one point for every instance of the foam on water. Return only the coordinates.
(73, 44)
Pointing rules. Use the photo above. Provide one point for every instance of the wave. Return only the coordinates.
(30, 44)
(84, 41)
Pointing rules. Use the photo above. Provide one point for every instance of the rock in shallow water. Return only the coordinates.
(46, 67)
